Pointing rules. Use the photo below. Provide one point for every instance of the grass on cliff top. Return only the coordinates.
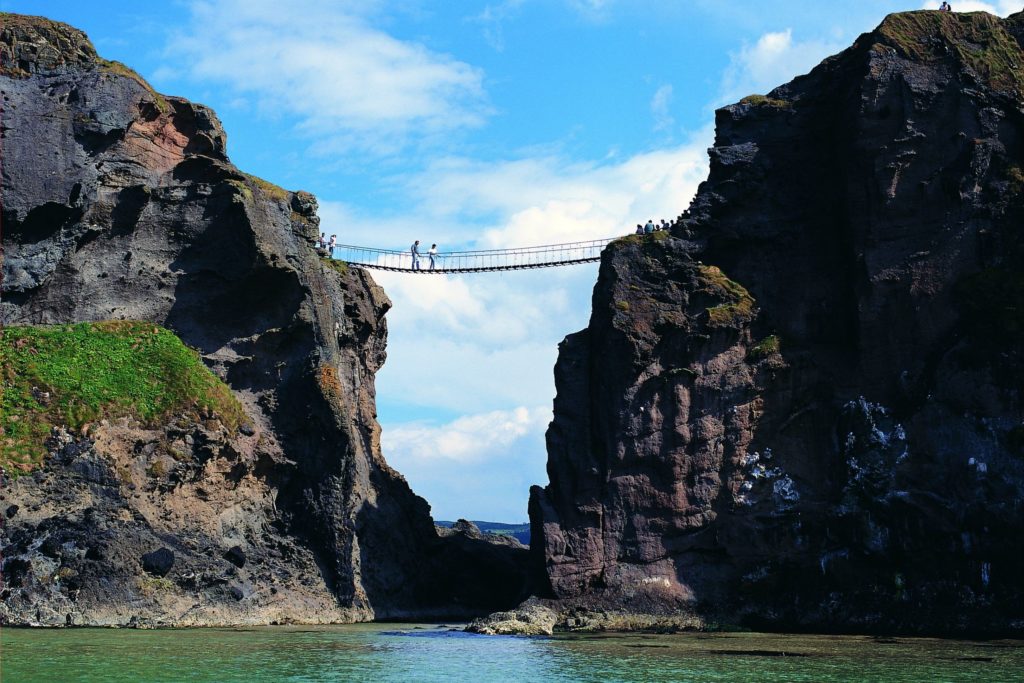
(979, 40)
(739, 305)
(121, 69)
(73, 375)
(763, 101)
(272, 191)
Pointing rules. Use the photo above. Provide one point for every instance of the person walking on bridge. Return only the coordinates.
(432, 255)
(415, 251)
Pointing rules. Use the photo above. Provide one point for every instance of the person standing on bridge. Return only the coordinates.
(415, 251)
(322, 242)
(432, 255)
(332, 244)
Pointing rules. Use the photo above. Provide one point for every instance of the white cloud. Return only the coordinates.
(594, 10)
(775, 58)
(661, 109)
(469, 438)
(351, 86)
(492, 20)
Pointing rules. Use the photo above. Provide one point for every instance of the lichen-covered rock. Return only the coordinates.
(802, 408)
(529, 620)
(120, 203)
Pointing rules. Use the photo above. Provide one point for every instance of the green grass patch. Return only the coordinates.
(622, 306)
(977, 39)
(120, 69)
(656, 236)
(152, 585)
(739, 305)
(337, 265)
(763, 101)
(768, 346)
(73, 375)
(272, 191)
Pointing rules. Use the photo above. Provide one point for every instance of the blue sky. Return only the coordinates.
(474, 123)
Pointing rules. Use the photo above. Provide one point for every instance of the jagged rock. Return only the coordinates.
(530, 620)
(159, 562)
(801, 409)
(120, 203)
(236, 556)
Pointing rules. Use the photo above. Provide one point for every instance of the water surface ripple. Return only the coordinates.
(413, 652)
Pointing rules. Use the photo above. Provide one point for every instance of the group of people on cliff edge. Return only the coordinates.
(431, 254)
(652, 227)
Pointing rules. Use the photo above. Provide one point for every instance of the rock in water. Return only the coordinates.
(529, 620)
(801, 408)
(121, 203)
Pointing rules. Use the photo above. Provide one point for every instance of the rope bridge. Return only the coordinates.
(484, 261)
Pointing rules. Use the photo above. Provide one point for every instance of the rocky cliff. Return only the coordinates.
(802, 408)
(120, 203)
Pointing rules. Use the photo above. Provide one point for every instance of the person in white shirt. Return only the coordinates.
(432, 255)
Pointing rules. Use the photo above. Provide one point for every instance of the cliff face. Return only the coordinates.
(802, 409)
(120, 203)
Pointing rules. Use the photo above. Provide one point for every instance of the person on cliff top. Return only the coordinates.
(639, 229)
(415, 251)
(432, 255)
(649, 228)
(945, 7)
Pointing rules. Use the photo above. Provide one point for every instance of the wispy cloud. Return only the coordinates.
(468, 438)
(775, 58)
(661, 105)
(351, 86)
(492, 20)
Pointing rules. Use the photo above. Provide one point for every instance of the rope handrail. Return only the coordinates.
(472, 261)
(543, 247)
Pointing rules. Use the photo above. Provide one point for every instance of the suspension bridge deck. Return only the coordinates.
(481, 261)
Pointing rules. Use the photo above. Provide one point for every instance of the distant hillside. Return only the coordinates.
(520, 531)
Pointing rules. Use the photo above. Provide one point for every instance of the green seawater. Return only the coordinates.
(407, 652)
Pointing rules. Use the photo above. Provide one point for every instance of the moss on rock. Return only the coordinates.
(978, 40)
(73, 375)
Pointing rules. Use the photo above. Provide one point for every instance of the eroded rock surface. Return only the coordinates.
(120, 203)
(802, 408)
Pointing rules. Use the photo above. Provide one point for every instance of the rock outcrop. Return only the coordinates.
(802, 408)
(121, 203)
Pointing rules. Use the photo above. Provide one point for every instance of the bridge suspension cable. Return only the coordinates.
(479, 261)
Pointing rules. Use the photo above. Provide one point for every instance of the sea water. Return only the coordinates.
(408, 652)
